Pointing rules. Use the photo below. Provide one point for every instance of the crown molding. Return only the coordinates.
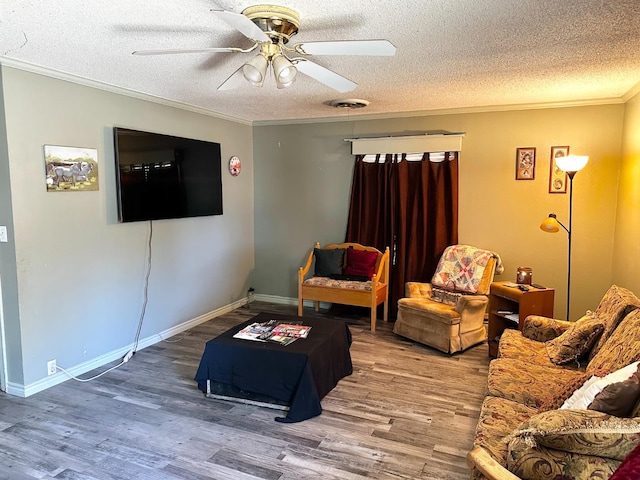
(347, 117)
(447, 111)
(59, 75)
(633, 91)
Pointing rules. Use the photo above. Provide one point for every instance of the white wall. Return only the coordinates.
(80, 274)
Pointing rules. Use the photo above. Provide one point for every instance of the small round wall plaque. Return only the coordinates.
(234, 166)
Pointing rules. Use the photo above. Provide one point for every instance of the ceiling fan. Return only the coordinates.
(270, 27)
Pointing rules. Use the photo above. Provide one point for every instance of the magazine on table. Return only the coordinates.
(281, 339)
(291, 330)
(283, 333)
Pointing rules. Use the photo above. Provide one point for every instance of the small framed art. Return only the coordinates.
(525, 163)
(71, 169)
(557, 177)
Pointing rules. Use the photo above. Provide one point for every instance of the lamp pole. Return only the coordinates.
(571, 164)
(571, 175)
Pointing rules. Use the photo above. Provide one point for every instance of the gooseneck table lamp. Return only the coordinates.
(570, 164)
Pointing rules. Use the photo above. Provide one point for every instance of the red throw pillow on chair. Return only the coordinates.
(361, 262)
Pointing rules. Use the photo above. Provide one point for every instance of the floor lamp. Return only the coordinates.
(570, 164)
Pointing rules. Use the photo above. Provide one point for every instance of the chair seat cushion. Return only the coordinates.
(429, 309)
(330, 282)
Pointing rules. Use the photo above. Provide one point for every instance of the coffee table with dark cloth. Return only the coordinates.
(299, 374)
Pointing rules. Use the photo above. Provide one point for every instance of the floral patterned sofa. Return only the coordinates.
(523, 434)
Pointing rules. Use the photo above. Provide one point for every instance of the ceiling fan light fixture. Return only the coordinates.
(255, 70)
(284, 71)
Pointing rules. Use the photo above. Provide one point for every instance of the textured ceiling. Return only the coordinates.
(451, 54)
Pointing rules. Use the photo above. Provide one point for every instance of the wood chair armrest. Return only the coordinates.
(305, 269)
(382, 274)
(488, 466)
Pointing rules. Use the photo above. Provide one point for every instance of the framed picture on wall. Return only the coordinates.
(525, 163)
(71, 169)
(557, 178)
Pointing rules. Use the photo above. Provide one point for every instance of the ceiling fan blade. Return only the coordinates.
(234, 81)
(186, 50)
(348, 47)
(324, 75)
(243, 25)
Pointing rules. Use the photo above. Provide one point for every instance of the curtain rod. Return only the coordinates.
(437, 142)
(408, 137)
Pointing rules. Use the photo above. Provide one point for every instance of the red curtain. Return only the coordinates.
(409, 206)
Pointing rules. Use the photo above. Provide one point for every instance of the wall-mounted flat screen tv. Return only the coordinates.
(162, 176)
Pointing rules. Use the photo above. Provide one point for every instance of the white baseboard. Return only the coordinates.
(288, 301)
(77, 370)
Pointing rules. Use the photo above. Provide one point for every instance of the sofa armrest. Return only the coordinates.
(541, 328)
(480, 459)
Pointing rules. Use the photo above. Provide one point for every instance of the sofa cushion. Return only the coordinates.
(537, 327)
(619, 398)
(555, 401)
(622, 347)
(541, 463)
(611, 385)
(361, 262)
(498, 419)
(526, 383)
(328, 261)
(582, 432)
(614, 306)
(576, 342)
(518, 347)
(571, 445)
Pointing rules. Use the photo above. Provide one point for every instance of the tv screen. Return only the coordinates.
(161, 176)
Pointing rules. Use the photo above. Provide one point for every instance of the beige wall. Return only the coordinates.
(303, 177)
(626, 259)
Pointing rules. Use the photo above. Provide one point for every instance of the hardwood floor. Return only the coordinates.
(406, 412)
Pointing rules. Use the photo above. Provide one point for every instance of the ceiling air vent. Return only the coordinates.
(350, 103)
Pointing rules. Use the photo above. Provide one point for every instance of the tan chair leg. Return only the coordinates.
(300, 306)
(316, 306)
(386, 311)
(374, 312)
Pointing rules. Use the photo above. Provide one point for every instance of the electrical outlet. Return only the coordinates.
(3, 233)
(51, 367)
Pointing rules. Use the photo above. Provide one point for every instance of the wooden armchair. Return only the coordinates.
(367, 293)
